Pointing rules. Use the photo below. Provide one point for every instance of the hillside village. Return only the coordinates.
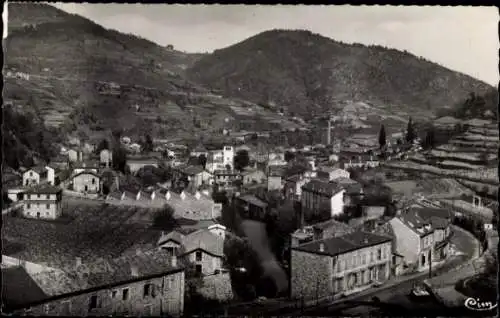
(193, 207)
(280, 214)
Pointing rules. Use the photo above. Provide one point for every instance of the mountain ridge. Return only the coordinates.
(294, 68)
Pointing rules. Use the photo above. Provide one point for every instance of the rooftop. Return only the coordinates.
(18, 288)
(322, 187)
(252, 199)
(190, 169)
(204, 240)
(344, 244)
(416, 223)
(45, 189)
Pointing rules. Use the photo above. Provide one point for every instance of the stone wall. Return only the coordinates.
(311, 275)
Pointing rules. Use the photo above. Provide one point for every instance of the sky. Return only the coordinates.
(463, 38)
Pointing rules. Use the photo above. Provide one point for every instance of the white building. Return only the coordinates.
(220, 159)
(42, 202)
(38, 175)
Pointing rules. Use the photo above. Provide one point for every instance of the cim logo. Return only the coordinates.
(476, 304)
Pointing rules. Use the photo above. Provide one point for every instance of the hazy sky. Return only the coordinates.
(461, 38)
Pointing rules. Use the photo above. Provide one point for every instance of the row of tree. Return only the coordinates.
(410, 134)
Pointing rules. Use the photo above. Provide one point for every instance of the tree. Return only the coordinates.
(202, 160)
(103, 144)
(119, 159)
(289, 156)
(410, 131)
(164, 218)
(241, 160)
(148, 144)
(382, 139)
(429, 141)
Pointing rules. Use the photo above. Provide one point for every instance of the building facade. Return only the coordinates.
(87, 182)
(322, 199)
(106, 158)
(220, 159)
(43, 203)
(339, 265)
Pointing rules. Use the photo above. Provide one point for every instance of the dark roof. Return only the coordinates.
(252, 199)
(343, 244)
(322, 187)
(190, 169)
(415, 223)
(86, 172)
(46, 189)
(37, 169)
(338, 226)
(18, 288)
(87, 164)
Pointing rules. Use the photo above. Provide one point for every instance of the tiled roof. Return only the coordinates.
(322, 187)
(343, 244)
(332, 224)
(206, 241)
(190, 169)
(171, 236)
(86, 172)
(45, 189)
(416, 223)
(38, 169)
(252, 199)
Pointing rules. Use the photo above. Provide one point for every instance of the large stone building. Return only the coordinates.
(87, 182)
(321, 199)
(339, 265)
(42, 202)
(220, 159)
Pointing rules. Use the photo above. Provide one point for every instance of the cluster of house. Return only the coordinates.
(349, 258)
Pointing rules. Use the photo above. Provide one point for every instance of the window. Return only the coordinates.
(379, 254)
(46, 308)
(47, 206)
(31, 174)
(148, 290)
(28, 206)
(125, 294)
(92, 302)
(198, 256)
(198, 269)
(364, 258)
(371, 256)
(93, 181)
(113, 294)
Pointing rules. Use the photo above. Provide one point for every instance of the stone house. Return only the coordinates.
(75, 155)
(203, 249)
(339, 265)
(34, 176)
(250, 176)
(332, 173)
(322, 197)
(42, 202)
(414, 240)
(195, 176)
(86, 182)
(251, 207)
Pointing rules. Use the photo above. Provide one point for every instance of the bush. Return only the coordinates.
(164, 219)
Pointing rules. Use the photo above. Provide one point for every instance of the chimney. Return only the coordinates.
(134, 271)
(321, 247)
(78, 261)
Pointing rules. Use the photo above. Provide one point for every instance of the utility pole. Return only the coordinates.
(430, 263)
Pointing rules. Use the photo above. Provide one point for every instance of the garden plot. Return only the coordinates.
(476, 137)
(467, 156)
(406, 187)
(452, 164)
(488, 175)
(480, 187)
